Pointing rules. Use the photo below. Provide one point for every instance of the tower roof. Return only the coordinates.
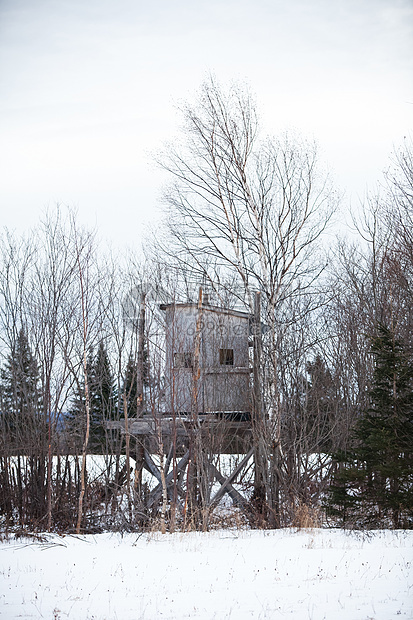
(208, 308)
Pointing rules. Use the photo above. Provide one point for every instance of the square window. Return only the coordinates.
(183, 360)
(226, 357)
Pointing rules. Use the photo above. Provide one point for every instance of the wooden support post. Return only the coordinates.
(257, 335)
(139, 454)
(194, 435)
(140, 360)
(196, 371)
(139, 396)
(258, 421)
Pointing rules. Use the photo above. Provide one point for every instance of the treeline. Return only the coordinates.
(82, 337)
(69, 347)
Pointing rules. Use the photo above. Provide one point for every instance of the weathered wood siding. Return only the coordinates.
(224, 382)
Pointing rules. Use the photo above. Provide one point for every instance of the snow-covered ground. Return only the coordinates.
(223, 574)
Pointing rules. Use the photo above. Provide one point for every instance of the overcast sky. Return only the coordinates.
(88, 90)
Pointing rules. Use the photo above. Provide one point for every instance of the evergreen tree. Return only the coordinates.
(102, 398)
(75, 422)
(130, 387)
(130, 384)
(374, 482)
(21, 402)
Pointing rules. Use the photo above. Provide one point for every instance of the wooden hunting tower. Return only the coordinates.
(206, 409)
(207, 360)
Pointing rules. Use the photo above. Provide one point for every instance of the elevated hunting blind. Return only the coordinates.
(207, 360)
(207, 410)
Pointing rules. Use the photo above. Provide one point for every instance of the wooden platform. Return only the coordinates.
(221, 432)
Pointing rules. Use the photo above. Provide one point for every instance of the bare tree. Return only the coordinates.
(52, 311)
(37, 296)
(256, 208)
(91, 321)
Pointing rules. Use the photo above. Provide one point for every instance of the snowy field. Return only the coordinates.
(225, 574)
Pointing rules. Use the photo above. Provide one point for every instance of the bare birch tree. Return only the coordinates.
(257, 208)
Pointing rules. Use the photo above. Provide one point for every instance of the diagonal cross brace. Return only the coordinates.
(237, 498)
(150, 466)
(157, 491)
(226, 483)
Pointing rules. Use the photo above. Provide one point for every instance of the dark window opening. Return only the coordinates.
(183, 360)
(226, 357)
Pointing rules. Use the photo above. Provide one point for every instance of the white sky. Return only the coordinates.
(88, 89)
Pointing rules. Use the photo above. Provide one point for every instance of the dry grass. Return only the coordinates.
(306, 517)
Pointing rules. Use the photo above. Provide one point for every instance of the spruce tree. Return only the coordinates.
(21, 402)
(130, 387)
(374, 482)
(103, 398)
(75, 421)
